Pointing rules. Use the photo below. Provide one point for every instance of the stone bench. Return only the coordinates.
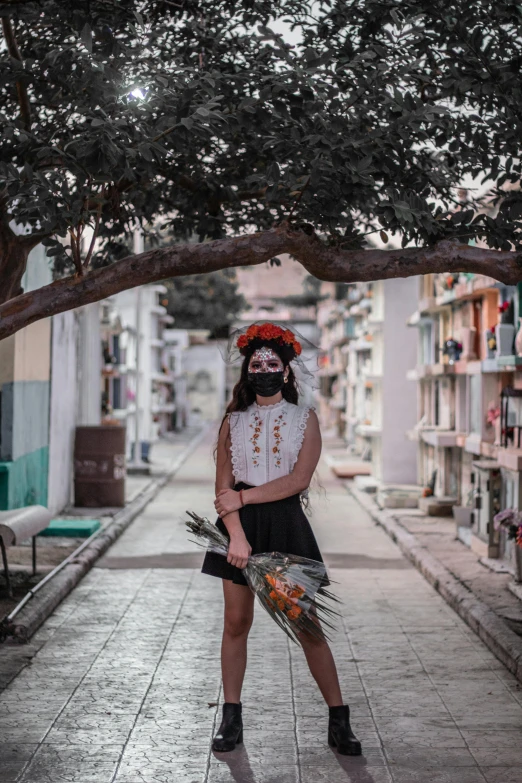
(19, 525)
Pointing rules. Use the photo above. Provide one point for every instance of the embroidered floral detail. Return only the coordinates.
(256, 426)
(278, 438)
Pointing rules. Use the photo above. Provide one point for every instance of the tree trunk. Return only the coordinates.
(13, 262)
(324, 262)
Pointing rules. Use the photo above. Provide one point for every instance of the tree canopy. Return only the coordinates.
(210, 301)
(318, 129)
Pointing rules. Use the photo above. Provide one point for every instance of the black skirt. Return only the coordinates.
(278, 526)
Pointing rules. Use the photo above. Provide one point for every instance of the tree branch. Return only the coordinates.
(94, 235)
(12, 48)
(325, 263)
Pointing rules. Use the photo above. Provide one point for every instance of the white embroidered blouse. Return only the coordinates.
(266, 441)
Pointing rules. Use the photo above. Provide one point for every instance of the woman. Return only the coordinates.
(268, 449)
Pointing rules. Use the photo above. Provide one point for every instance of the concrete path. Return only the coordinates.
(125, 685)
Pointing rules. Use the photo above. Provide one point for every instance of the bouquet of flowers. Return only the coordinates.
(511, 520)
(288, 587)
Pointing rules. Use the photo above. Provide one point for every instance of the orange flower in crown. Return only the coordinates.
(270, 333)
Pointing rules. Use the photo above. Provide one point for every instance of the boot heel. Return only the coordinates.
(230, 732)
(340, 734)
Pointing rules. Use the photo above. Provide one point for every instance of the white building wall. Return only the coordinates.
(399, 396)
(206, 381)
(89, 365)
(63, 408)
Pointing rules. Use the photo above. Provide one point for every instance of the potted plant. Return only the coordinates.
(491, 344)
(510, 520)
(505, 330)
(452, 349)
(448, 282)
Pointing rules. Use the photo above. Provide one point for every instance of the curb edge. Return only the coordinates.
(489, 627)
(43, 604)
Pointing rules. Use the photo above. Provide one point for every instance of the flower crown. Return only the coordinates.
(269, 332)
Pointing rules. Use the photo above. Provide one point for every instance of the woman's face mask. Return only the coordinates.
(266, 372)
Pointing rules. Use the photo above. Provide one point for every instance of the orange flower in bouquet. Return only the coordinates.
(288, 587)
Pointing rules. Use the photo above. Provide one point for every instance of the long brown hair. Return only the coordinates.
(243, 394)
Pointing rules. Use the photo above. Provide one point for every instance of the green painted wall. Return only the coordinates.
(23, 482)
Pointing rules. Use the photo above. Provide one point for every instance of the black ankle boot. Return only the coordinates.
(231, 729)
(340, 734)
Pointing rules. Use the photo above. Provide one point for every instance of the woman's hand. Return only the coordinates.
(227, 500)
(239, 551)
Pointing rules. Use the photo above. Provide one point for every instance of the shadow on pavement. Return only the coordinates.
(240, 770)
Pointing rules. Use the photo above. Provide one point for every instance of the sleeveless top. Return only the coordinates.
(266, 440)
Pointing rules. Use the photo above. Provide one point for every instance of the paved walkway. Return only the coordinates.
(125, 684)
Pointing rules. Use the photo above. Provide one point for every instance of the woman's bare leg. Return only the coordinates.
(239, 613)
(322, 668)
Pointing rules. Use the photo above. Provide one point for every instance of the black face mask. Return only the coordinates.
(266, 384)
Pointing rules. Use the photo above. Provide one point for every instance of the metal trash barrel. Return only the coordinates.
(99, 466)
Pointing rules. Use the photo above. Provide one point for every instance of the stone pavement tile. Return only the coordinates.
(420, 758)
(441, 775)
(268, 753)
(479, 702)
(105, 703)
(432, 738)
(13, 758)
(390, 705)
(140, 757)
(239, 770)
(154, 771)
(368, 736)
(173, 711)
(105, 735)
(349, 769)
(489, 738)
(508, 717)
(179, 775)
(267, 738)
(66, 764)
(420, 732)
(163, 733)
(502, 774)
(31, 734)
(491, 755)
(321, 755)
(89, 721)
(189, 739)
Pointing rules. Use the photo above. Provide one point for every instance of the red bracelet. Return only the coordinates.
(241, 498)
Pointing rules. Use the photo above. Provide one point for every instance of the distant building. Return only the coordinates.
(470, 402)
(366, 352)
(153, 383)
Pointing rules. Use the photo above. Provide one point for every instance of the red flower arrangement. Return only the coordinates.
(268, 331)
(503, 307)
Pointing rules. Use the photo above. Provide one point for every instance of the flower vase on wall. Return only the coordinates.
(505, 330)
(518, 339)
(491, 344)
(504, 334)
